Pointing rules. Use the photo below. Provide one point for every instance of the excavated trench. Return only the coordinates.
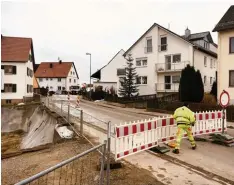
(30, 128)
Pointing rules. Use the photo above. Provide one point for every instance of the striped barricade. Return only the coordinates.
(133, 137)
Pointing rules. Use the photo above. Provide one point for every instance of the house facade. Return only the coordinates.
(57, 76)
(17, 62)
(107, 76)
(225, 29)
(160, 55)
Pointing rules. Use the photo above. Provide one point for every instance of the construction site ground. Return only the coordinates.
(17, 168)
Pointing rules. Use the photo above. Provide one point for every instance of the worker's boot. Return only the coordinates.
(194, 147)
(176, 151)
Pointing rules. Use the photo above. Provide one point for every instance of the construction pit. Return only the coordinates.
(32, 142)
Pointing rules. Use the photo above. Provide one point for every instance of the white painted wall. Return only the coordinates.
(175, 46)
(53, 83)
(205, 70)
(226, 63)
(138, 51)
(109, 72)
(20, 78)
(73, 77)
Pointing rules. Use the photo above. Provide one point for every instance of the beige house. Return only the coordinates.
(225, 29)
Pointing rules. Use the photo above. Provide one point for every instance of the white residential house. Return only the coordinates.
(17, 63)
(57, 76)
(107, 76)
(225, 29)
(160, 55)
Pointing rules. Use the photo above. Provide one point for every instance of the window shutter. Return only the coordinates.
(14, 69)
(2, 67)
(14, 89)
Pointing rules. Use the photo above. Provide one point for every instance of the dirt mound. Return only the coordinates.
(11, 144)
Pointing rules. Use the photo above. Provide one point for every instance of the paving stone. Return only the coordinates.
(160, 149)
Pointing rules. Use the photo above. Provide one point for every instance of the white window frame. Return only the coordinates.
(141, 62)
(172, 80)
(162, 36)
(205, 61)
(211, 80)
(146, 46)
(141, 80)
(205, 79)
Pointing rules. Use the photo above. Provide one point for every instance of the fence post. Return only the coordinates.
(68, 111)
(102, 163)
(62, 107)
(223, 117)
(81, 122)
(108, 151)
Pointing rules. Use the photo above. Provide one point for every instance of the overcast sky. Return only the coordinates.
(69, 29)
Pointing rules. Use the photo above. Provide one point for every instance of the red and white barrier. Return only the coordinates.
(137, 136)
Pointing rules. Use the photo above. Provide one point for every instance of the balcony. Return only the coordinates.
(171, 67)
(148, 49)
(121, 72)
(167, 87)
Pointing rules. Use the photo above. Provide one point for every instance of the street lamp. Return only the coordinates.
(89, 75)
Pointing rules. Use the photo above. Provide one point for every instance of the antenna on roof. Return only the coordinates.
(168, 26)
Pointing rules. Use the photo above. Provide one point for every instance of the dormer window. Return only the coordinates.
(206, 45)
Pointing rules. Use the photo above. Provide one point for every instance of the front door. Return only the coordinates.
(167, 80)
(168, 62)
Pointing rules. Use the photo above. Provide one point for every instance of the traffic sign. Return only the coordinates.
(224, 99)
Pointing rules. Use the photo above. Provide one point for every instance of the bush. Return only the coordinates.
(98, 95)
(191, 88)
(209, 99)
(214, 90)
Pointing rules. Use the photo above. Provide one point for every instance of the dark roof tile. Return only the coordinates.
(227, 21)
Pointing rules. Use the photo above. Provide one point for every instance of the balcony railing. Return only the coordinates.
(148, 49)
(121, 71)
(167, 87)
(162, 47)
(167, 67)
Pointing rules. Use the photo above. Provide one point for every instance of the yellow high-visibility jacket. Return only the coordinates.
(184, 115)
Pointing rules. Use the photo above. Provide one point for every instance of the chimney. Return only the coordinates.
(60, 61)
(187, 32)
(51, 65)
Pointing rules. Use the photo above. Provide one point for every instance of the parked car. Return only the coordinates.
(58, 92)
(74, 89)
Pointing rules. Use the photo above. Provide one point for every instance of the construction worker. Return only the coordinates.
(185, 119)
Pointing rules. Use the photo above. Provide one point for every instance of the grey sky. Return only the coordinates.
(69, 29)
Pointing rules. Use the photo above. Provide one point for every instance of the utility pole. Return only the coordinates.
(89, 75)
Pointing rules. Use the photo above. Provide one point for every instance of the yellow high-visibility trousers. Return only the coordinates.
(180, 132)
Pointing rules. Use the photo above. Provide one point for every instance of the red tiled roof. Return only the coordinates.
(15, 49)
(57, 71)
